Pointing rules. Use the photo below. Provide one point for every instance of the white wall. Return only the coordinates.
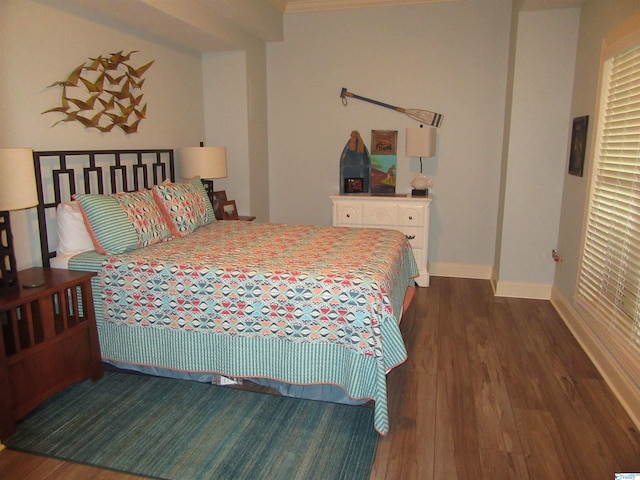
(39, 45)
(540, 122)
(446, 57)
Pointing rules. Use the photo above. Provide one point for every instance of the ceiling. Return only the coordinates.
(227, 25)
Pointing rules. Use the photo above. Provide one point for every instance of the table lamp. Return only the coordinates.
(17, 192)
(420, 142)
(204, 162)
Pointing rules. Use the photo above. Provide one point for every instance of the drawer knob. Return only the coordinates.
(410, 237)
(410, 217)
(348, 215)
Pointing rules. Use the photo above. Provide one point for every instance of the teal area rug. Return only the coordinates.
(178, 429)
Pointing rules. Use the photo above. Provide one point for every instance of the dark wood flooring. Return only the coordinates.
(494, 388)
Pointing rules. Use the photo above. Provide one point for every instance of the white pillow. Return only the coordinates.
(73, 236)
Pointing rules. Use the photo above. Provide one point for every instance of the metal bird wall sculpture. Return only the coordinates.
(109, 88)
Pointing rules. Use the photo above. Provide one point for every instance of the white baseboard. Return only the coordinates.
(626, 394)
(538, 291)
(459, 270)
(487, 272)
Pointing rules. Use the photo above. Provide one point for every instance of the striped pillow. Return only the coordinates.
(185, 205)
(122, 222)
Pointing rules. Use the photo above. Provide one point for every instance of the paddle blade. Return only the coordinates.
(424, 116)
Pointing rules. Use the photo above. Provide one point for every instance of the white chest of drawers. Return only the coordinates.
(410, 215)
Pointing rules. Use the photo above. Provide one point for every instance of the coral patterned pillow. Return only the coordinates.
(186, 205)
(145, 216)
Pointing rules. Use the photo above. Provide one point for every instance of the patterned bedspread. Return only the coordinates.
(297, 303)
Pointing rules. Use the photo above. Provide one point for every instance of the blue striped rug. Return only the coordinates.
(178, 429)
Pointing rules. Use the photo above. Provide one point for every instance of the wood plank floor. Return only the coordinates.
(494, 388)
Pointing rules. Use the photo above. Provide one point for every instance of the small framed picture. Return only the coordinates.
(354, 185)
(219, 198)
(578, 145)
(229, 210)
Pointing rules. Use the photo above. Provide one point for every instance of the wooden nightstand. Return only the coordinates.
(246, 218)
(48, 340)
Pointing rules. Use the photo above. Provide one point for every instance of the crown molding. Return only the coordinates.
(299, 6)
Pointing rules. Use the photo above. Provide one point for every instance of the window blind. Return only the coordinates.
(609, 276)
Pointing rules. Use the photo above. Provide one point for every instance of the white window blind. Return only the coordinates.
(609, 279)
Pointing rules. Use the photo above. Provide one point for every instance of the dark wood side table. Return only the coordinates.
(245, 218)
(48, 340)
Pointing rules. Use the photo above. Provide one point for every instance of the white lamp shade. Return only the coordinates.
(421, 142)
(17, 179)
(203, 162)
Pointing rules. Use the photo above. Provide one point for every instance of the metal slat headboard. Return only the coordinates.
(61, 174)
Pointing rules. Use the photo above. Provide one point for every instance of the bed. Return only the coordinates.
(312, 310)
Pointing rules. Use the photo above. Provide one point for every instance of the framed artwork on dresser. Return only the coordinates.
(229, 210)
(219, 198)
(384, 142)
(354, 185)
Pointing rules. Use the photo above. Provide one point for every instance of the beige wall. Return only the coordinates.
(235, 103)
(225, 90)
(39, 45)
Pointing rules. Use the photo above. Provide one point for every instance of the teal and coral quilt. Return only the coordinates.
(302, 304)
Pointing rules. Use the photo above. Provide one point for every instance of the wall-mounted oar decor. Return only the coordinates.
(423, 116)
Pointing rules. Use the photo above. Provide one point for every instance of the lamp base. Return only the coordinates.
(33, 284)
(8, 271)
(419, 193)
(208, 187)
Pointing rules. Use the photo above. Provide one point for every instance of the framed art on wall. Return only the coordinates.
(578, 145)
